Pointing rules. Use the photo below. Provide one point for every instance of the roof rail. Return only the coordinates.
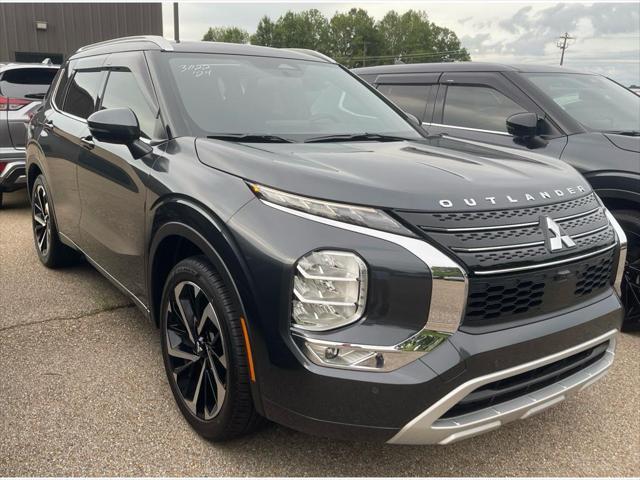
(312, 53)
(162, 42)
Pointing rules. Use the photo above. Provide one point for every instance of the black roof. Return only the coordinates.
(461, 67)
(162, 44)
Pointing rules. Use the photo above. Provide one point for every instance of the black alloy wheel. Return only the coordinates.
(630, 290)
(204, 351)
(41, 219)
(51, 251)
(196, 351)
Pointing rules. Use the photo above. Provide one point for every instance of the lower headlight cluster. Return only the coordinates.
(329, 290)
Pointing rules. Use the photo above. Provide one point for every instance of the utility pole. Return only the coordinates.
(364, 53)
(563, 44)
(176, 22)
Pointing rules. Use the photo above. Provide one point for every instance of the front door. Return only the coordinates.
(113, 183)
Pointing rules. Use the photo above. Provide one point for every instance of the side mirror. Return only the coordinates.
(114, 125)
(523, 125)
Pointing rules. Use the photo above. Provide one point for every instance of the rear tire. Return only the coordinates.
(630, 222)
(51, 251)
(204, 352)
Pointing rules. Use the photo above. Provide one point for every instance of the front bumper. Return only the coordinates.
(429, 427)
(13, 176)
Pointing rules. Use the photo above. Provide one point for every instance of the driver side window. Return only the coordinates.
(482, 108)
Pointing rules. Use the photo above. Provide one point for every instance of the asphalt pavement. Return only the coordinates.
(83, 392)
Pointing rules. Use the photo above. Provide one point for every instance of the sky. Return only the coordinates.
(607, 35)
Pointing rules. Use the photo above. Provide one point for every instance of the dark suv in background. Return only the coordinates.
(22, 87)
(587, 120)
(310, 256)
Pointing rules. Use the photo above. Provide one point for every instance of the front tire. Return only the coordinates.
(630, 222)
(204, 352)
(51, 251)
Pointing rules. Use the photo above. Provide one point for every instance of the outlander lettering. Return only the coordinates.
(521, 198)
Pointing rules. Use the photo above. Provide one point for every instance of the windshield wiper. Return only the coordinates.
(630, 133)
(356, 137)
(249, 137)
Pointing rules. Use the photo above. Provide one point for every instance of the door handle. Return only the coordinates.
(87, 142)
(48, 124)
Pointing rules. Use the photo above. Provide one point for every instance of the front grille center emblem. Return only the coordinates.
(555, 237)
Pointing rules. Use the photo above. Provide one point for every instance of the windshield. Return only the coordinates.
(595, 101)
(258, 96)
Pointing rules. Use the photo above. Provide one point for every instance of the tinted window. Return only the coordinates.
(297, 99)
(596, 102)
(30, 83)
(410, 98)
(62, 87)
(478, 107)
(82, 93)
(122, 91)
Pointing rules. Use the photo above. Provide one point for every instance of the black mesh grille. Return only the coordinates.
(526, 295)
(527, 382)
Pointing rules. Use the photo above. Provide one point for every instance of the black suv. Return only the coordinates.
(585, 119)
(310, 256)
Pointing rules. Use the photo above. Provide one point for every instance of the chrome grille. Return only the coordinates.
(513, 276)
(486, 242)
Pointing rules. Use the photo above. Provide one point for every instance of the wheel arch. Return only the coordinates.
(618, 190)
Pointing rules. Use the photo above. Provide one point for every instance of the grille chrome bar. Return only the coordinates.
(506, 227)
(524, 245)
(546, 264)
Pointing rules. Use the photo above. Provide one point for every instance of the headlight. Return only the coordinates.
(363, 216)
(329, 290)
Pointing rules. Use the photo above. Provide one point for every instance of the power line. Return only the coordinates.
(563, 45)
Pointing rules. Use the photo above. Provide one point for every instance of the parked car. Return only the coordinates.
(22, 87)
(587, 120)
(309, 256)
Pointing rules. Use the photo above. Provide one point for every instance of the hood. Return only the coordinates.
(429, 175)
(625, 142)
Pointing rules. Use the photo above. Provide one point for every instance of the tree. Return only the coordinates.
(265, 33)
(353, 35)
(411, 37)
(226, 34)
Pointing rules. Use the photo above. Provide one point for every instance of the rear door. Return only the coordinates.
(476, 105)
(62, 138)
(21, 91)
(414, 93)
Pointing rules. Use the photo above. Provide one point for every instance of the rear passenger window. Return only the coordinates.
(478, 107)
(122, 91)
(62, 88)
(27, 83)
(82, 93)
(410, 98)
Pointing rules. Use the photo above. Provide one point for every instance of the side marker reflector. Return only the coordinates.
(245, 333)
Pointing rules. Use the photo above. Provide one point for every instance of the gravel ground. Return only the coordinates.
(83, 392)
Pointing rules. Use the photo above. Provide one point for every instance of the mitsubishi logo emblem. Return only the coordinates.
(555, 237)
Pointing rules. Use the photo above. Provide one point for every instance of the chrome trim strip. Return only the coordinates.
(104, 272)
(524, 245)
(10, 167)
(499, 247)
(429, 427)
(496, 132)
(547, 264)
(449, 280)
(622, 256)
(506, 227)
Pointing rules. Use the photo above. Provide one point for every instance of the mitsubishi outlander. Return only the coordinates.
(310, 255)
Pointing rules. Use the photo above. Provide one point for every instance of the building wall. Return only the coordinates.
(72, 25)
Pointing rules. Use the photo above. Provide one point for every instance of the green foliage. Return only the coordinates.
(226, 34)
(354, 38)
